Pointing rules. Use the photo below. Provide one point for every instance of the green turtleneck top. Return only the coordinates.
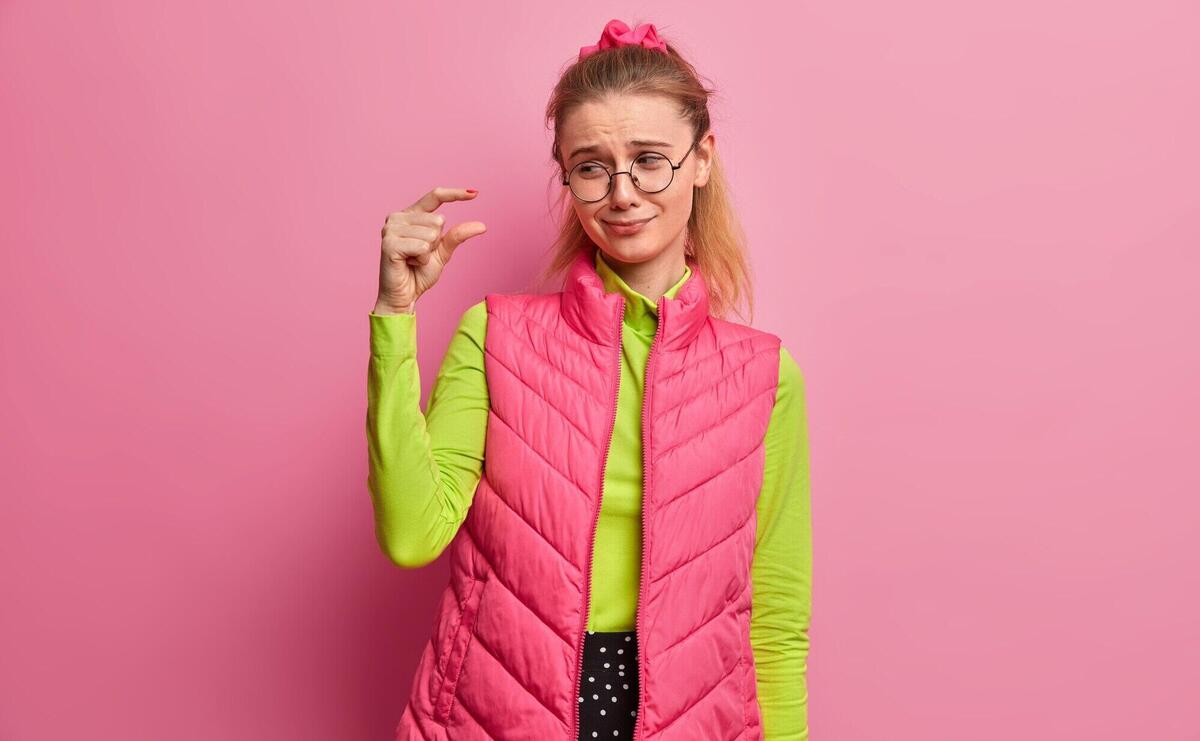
(424, 468)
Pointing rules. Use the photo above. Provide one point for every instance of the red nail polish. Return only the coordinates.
(471, 190)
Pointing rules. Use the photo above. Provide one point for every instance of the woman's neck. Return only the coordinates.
(651, 278)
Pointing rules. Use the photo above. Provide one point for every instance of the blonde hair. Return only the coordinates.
(715, 239)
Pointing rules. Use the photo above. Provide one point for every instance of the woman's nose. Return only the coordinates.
(624, 192)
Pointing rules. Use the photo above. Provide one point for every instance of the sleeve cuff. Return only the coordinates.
(393, 334)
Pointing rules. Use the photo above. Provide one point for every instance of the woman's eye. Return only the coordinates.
(650, 161)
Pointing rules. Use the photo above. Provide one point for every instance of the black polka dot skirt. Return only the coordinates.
(608, 685)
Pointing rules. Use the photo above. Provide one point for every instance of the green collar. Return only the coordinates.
(641, 314)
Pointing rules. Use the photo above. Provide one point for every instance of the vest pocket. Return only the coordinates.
(456, 649)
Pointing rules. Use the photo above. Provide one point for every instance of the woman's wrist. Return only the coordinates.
(384, 309)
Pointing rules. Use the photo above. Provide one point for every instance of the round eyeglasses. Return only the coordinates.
(651, 172)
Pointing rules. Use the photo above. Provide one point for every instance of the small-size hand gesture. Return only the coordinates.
(415, 250)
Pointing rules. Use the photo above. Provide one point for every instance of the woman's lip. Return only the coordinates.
(626, 229)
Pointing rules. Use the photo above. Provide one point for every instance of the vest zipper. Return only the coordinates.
(637, 721)
(587, 584)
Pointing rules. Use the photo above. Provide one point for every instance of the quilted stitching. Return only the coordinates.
(525, 604)
(542, 399)
(538, 453)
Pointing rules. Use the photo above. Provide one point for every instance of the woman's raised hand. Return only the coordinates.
(415, 249)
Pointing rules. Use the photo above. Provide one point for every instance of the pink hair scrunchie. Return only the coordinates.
(616, 34)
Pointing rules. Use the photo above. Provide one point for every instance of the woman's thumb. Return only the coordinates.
(459, 234)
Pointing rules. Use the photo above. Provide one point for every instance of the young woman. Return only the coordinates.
(620, 473)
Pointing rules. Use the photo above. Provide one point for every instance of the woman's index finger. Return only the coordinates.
(436, 197)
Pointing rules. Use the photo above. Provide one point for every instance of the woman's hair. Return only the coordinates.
(715, 239)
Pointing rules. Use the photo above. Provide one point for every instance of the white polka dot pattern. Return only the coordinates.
(611, 712)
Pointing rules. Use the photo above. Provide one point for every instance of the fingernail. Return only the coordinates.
(472, 190)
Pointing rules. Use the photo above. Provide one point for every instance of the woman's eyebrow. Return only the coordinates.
(632, 143)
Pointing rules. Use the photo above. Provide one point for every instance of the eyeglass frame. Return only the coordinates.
(567, 176)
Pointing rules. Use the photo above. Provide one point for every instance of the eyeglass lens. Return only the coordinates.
(650, 172)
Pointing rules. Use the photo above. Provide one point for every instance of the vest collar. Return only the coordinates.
(595, 312)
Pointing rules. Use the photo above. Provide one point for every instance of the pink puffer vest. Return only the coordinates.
(505, 654)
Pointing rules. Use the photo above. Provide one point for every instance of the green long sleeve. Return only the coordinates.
(781, 572)
(424, 470)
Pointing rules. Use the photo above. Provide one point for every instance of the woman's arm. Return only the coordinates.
(424, 468)
(781, 572)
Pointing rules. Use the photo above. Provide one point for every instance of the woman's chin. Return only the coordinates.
(626, 251)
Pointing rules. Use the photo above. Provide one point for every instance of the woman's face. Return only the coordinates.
(615, 131)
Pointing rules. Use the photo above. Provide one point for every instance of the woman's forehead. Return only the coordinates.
(621, 121)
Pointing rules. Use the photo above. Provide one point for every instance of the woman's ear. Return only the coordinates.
(705, 149)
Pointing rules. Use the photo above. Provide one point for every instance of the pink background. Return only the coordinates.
(975, 226)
